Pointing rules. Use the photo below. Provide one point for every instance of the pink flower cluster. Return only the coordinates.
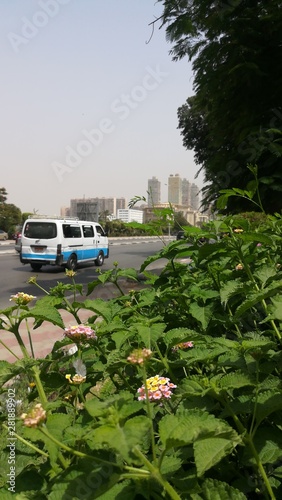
(157, 387)
(139, 356)
(22, 299)
(183, 345)
(79, 333)
(35, 417)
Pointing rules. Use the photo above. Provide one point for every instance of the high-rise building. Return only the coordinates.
(154, 192)
(92, 208)
(175, 189)
(195, 197)
(186, 193)
(120, 203)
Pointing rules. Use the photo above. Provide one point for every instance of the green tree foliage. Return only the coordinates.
(10, 217)
(3, 195)
(235, 116)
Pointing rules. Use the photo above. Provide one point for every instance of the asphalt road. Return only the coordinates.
(14, 275)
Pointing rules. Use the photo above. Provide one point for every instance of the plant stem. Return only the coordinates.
(27, 443)
(77, 453)
(249, 273)
(239, 335)
(165, 363)
(29, 338)
(248, 440)
(157, 475)
(149, 413)
(20, 341)
(8, 349)
(115, 282)
(252, 431)
(39, 386)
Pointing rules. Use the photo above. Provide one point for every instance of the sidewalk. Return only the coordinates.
(44, 337)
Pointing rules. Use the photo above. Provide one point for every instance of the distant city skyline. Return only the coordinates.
(180, 191)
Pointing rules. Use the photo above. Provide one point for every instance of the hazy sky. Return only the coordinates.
(88, 108)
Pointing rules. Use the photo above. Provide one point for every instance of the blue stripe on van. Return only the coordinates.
(39, 256)
(83, 254)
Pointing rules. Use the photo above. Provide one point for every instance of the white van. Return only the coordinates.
(62, 242)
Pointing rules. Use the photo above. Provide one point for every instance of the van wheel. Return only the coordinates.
(36, 267)
(72, 262)
(100, 259)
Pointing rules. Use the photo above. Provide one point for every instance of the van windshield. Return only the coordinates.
(40, 230)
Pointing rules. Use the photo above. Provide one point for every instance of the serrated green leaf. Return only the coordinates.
(264, 274)
(122, 402)
(129, 272)
(187, 426)
(203, 314)
(198, 354)
(252, 236)
(177, 335)
(260, 344)
(201, 293)
(11, 370)
(150, 334)
(243, 405)
(268, 444)
(232, 359)
(121, 337)
(41, 313)
(212, 489)
(123, 489)
(107, 309)
(236, 380)
(222, 200)
(229, 289)
(192, 387)
(267, 403)
(56, 423)
(275, 308)
(208, 451)
(170, 464)
(83, 480)
(257, 297)
(120, 438)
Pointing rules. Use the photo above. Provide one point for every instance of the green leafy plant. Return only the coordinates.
(169, 390)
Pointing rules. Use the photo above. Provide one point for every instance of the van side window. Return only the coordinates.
(71, 231)
(100, 231)
(88, 231)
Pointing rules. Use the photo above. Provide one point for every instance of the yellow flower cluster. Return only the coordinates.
(70, 273)
(76, 379)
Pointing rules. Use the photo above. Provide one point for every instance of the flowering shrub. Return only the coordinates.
(172, 390)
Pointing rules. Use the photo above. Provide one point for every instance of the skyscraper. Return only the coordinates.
(195, 197)
(154, 192)
(175, 189)
(186, 193)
